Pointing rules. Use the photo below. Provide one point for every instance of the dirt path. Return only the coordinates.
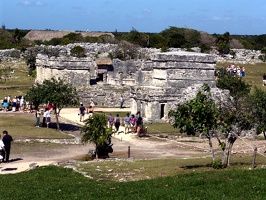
(144, 147)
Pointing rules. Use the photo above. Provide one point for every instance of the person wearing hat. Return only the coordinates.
(92, 104)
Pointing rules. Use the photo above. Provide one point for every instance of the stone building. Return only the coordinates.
(151, 86)
(163, 81)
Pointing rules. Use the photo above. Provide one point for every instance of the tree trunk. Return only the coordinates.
(56, 112)
(211, 147)
(264, 135)
(229, 154)
(57, 121)
(224, 152)
(254, 157)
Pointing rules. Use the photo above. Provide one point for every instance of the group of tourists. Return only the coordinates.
(5, 146)
(235, 70)
(17, 103)
(45, 112)
(133, 123)
(83, 110)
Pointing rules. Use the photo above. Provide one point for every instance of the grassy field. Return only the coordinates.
(18, 83)
(254, 73)
(62, 183)
(22, 126)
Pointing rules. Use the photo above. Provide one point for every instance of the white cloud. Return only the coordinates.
(216, 18)
(32, 3)
(146, 11)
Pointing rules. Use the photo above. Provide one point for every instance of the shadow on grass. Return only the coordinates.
(195, 166)
(65, 127)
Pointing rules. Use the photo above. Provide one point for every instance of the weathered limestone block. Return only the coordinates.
(182, 56)
(77, 71)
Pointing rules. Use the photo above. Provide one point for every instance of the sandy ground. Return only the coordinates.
(124, 145)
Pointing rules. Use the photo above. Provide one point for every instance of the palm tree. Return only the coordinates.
(95, 131)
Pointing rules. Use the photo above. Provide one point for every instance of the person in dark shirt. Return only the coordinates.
(139, 123)
(264, 79)
(7, 139)
(82, 110)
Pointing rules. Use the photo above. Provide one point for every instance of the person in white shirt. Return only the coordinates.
(47, 114)
(2, 148)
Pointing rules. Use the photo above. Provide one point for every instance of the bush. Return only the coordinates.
(78, 51)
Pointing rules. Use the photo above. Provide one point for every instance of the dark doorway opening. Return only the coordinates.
(162, 111)
(99, 78)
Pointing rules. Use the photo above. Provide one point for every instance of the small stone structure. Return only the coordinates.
(151, 86)
(162, 82)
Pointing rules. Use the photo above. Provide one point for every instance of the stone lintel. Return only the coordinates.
(182, 56)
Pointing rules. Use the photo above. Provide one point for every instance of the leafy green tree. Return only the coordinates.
(223, 43)
(96, 131)
(72, 38)
(236, 85)
(192, 37)
(58, 92)
(260, 41)
(259, 99)
(17, 35)
(6, 39)
(236, 113)
(138, 38)
(197, 116)
(174, 36)
(228, 117)
(31, 61)
(263, 51)
(157, 41)
(126, 51)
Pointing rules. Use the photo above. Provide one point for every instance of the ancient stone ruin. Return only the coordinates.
(152, 86)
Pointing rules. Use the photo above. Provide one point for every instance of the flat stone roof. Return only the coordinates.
(184, 56)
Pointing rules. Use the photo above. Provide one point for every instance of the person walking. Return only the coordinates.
(139, 123)
(92, 103)
(2, 149)
(90, 111)
(44, 117)
(117, 122)
(38, 117)
(7, 139)
(48, 117)
(127, 123)
(82, 110)
(110, 121)
(121, 102)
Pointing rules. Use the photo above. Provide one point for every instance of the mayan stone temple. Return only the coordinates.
(167, 79)
(152, 86)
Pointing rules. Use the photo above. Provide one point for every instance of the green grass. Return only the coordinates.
(128, 170)
(161, 128)
(59, 183)
(254, 73)
(22, 126)
(19, 82)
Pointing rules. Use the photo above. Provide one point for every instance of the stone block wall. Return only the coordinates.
(162, 80)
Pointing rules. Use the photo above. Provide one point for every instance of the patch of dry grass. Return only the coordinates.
(132, 170)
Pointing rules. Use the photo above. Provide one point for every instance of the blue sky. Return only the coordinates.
(244, 17)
